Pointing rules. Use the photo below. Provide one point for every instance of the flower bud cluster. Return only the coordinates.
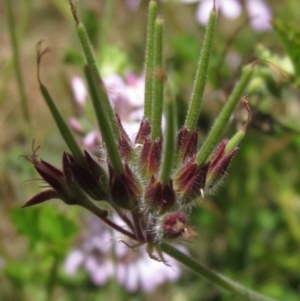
(152, 181)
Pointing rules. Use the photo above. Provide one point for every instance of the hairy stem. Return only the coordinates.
(214, 277)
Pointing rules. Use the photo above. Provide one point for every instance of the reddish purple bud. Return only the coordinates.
(182, 139)
(190, 181)
(42, 197)
(150, 156)
(88, 182)
(187, 143)
(55, 178)
(96, 169)
(145, 152)
(125, 147)
(159, 196)
(218, 153)
(144, 132)
(218, 170)
(124, 188)
(173, 225)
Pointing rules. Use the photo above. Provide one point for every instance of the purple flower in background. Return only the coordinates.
(258, 11)
(102, 254)
(79, 91)
(132, 4)
(126, 97)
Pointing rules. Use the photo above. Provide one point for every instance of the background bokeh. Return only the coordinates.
(249, 229)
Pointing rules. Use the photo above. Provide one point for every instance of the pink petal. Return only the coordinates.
(133, 4)
(79, 90)
(103, 273)
(203, 11)
(231, 9)
(260, 14)
(73, 261)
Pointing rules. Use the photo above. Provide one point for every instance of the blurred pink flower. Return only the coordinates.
(132, 4)
(127, 99)
(104, 256)
(258, 11)
(79, 91)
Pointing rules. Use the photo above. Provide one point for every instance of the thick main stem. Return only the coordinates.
(216, 278)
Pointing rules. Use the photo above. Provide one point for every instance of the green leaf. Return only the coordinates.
(73, 57)
(290, 37)
(43, 224)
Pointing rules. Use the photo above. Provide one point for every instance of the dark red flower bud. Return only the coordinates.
(218, 169)
(63, 187)
(124, 188)
(88, 182)
(56, 179)
(160, 196)
(218, 153)
(144, 132)
(96, 169)
(125, 146)
(190, 181)
(187, 144)
(150, 156)
(173, 225)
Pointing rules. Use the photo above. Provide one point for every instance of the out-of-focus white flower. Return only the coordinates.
(260, 14)
(103, 256)
(79, 90)
(126, 97)
(132, 4)
(231, 9)
(258, 11)
(92, 140)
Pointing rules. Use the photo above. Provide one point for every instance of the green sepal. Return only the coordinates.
(235, 140)
(63, 127)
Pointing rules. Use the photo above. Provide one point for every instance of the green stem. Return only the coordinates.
(149, 58)
(15, 49)
(168, 143)
(104, 122)
(91, 61)
(158, 81)
(246, 294)
(201, 74)
(222, 120)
